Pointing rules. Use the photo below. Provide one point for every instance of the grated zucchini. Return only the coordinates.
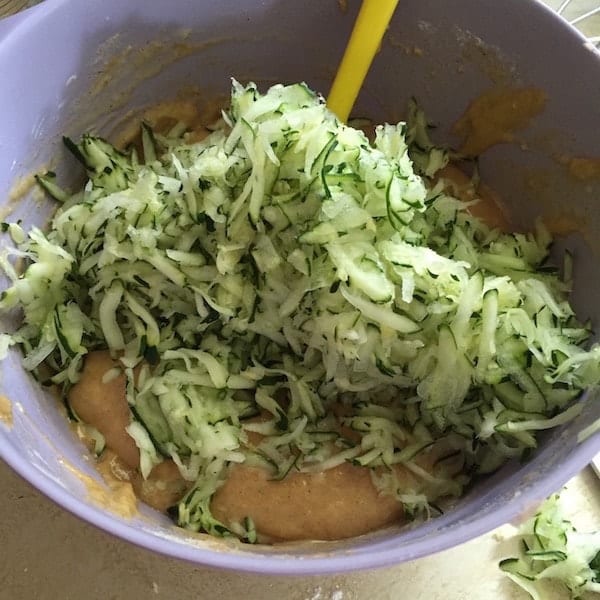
(285, 255)
(553, 551)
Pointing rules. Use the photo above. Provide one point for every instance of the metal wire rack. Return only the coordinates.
(583, 14)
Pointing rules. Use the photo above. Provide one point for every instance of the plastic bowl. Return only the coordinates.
(69, 66)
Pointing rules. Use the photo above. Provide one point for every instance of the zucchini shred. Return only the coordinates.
(285, 267)
(552, 551)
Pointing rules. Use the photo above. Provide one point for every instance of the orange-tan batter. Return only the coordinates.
(495, 116)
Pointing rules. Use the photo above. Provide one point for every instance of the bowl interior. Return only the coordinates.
(71, 67)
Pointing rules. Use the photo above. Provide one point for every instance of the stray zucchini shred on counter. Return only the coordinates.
(552, 551)
(287, 294)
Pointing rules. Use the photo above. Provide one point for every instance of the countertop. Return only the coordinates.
(48, 554)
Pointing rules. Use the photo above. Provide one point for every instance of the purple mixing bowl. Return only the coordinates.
(68, 66)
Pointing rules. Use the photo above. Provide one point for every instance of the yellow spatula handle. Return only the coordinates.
(373, 19)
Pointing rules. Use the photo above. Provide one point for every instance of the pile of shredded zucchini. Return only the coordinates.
(552, 550)
(286, 266)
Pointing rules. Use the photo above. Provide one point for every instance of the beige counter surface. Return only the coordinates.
(47, 554)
